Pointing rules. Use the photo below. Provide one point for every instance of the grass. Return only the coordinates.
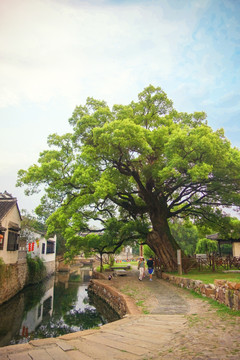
(193, 319)
(208, 277)
(221, 309)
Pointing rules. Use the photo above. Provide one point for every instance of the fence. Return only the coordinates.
(215, 262)
(203, 262)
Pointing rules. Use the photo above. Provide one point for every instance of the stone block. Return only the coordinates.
(221, 295)
(233, 285)
(219, 282)
(209, 292)
(229, 298)
(236, 303)
(212, 286)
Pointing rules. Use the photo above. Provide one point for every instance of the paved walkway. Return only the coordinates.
(166, 299)
(134, 337)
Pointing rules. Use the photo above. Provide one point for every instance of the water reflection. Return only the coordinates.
(58, 306)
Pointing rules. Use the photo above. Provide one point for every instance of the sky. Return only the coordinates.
(56, 53)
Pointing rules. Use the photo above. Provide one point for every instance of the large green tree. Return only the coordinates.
(140, 161)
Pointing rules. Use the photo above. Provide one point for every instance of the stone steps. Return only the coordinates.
(132, 338)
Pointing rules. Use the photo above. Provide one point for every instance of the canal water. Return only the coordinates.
(55, 307)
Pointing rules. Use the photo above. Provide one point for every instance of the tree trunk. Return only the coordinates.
(162, 242)
(101, 262)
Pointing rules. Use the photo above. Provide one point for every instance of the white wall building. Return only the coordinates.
(10, 223)
(45, 249)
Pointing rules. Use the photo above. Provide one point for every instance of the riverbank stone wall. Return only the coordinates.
(225, 292)
(121, 303)
(13, 278)
(110, 295)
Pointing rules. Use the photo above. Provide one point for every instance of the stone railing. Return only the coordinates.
(225, 292)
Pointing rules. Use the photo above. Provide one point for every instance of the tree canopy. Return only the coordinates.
(144, 161)
(186, 235)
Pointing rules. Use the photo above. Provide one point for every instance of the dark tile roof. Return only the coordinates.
(7, 201)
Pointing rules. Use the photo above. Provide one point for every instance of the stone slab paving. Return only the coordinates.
(132, 338)
(167, 301)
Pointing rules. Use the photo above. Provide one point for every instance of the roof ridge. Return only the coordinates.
(7, 196)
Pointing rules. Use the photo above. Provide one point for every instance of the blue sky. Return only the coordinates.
(56, 53)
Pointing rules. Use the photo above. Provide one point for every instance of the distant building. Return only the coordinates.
(10, 226)
(38, 245)
(125, 254)
(234, 242)
(15, 244)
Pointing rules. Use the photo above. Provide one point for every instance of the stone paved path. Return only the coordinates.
(166, 299)
(132, 338)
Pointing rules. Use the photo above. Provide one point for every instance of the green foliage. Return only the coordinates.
(116, 233)
(148, 252)
(206, 246)
(226, 249)
(111, 260)
(186, 235)
(142, 162)
(36, 269)
(230, 228)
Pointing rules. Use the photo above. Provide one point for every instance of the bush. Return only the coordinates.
(36, 269)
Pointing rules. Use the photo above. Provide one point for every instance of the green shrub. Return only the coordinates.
(36, 269)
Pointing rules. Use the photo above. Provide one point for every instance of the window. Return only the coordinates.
(50, 247)
(43, 248)
(12, 240)
(1, 240)
(47, 306)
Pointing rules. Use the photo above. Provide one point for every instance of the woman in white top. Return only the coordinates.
(141, 268)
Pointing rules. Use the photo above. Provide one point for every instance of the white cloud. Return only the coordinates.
(50, 48)
(55, 53)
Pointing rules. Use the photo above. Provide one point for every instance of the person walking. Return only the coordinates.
(141, 268)
(150, 265)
